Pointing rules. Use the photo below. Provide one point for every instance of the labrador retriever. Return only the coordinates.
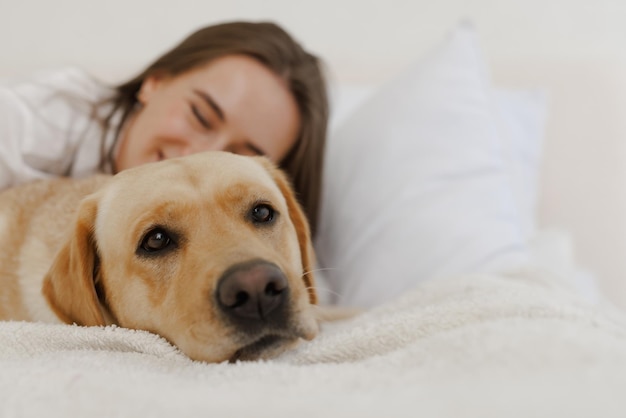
(210, 251)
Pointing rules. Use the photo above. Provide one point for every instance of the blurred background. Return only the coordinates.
(362, 40)
(574, 49)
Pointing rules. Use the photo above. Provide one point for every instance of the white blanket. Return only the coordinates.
(517, 345)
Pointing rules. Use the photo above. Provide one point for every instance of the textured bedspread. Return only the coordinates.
(515, 345)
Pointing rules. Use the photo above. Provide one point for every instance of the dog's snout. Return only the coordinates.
(253, 293)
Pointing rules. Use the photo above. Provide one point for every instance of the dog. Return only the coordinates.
(211, 251)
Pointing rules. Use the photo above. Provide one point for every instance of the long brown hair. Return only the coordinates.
(276, 49)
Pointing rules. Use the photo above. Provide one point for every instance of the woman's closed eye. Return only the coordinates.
(251, 149)
(201, 118)
(208, 111)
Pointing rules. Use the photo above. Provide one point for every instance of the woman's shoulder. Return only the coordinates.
(67, 100)
(49, 123)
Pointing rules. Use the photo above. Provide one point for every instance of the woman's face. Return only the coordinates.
(233, 103)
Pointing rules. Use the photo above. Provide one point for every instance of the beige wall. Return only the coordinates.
(361, 39)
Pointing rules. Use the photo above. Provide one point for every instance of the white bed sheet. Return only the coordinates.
(514, 345)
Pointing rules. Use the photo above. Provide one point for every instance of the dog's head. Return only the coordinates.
(211, 251)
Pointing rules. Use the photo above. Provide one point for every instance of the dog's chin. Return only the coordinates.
(263, 348)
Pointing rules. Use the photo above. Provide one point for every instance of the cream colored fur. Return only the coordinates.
(71, 251)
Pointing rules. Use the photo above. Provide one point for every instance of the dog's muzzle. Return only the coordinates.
(254, 296)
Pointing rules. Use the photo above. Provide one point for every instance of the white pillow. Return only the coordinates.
(521, 116)
(417, 185)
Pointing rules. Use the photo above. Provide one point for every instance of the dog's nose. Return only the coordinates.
(253, 292)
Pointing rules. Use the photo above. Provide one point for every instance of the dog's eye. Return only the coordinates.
(156, 240)
(262, 213)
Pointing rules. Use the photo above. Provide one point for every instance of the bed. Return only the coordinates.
(472, 208)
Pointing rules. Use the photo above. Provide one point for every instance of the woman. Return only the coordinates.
(242, 87)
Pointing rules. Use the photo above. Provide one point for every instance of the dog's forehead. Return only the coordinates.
(219, 168)
(194, 177)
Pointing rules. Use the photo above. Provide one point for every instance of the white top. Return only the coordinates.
(48, 128)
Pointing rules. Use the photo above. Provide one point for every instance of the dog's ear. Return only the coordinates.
(69, 285)
(301, 224)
